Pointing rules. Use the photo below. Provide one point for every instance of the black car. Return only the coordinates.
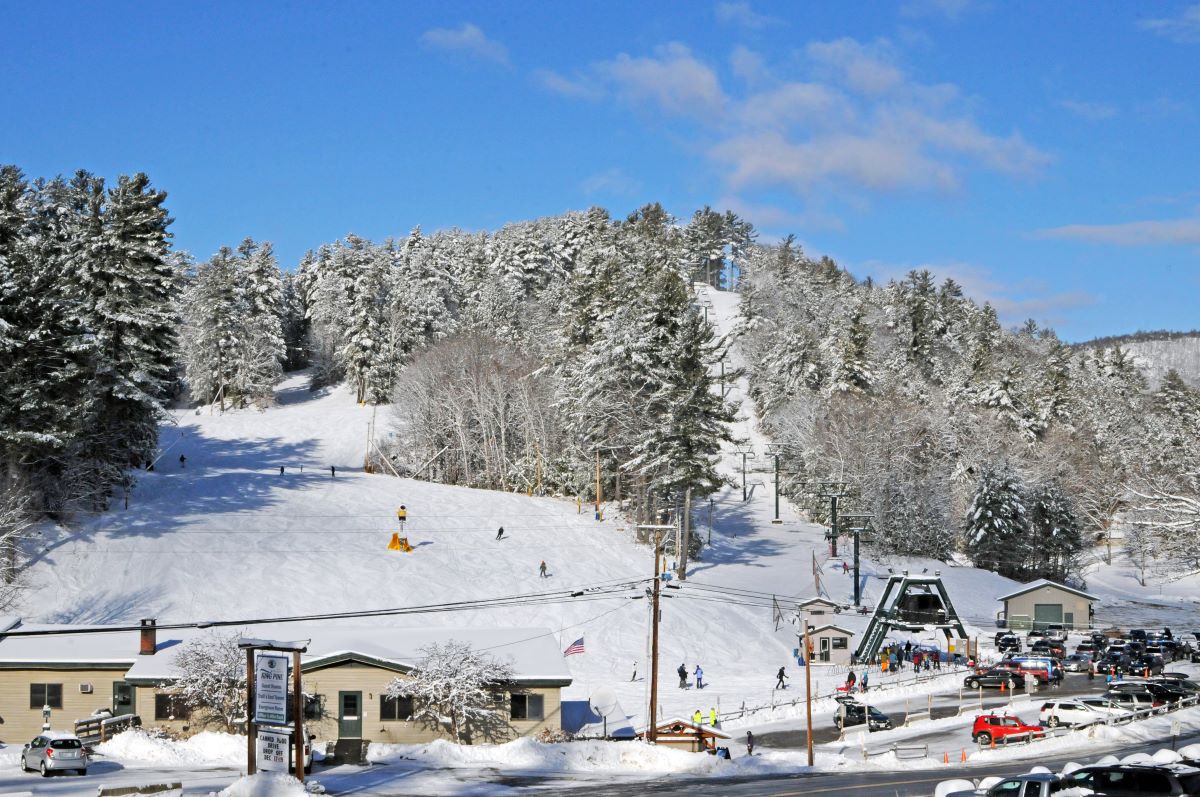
(1161, 692)
(1112, 664)
(849, 714)
(993, 679)
(1009, 643)
(1147, 664)
(1138, 633)
(1048, 647)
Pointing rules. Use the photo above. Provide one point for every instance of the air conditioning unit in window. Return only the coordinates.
(85, 689)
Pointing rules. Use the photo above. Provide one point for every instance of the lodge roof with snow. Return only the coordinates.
(533, 653)
(1045, 582)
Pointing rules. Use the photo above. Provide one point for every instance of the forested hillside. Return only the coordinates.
(1156, 353)
(550, 353)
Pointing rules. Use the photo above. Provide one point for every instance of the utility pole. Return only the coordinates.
(652, 728)
(858, 524)
(776, 450)
(597, 484)
(808, 688)
(710, 513)
(686, 543)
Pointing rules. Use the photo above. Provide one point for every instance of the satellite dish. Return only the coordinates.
(604, 701)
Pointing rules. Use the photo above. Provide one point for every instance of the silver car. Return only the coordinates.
(53, 751)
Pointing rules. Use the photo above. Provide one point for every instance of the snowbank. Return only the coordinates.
(265, 785)
(136, 747)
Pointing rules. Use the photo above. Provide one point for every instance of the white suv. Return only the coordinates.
(1069, 712)
(1105, 706)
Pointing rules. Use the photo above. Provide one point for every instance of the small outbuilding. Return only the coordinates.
(686, 735)
(1041, 603)
(831, 644)
(817, 607)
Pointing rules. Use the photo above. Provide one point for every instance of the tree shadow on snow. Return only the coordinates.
(735, 540)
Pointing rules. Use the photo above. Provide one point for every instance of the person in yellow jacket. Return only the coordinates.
(698, 718)
(712, 716)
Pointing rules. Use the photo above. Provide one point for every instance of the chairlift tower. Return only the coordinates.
(907, 604)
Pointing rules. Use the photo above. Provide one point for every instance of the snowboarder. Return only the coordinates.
(699, 677)
(182, 461)
(682, 672)
(749, 743)
(500, 533)
(712, 716)
(542, 569)
(779, 676)
(333, 471)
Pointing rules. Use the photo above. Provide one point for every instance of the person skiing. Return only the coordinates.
(779, 676)
(634, 676)
(182, 461)
(542, 569)
(333, 471)
(699, 677)
(500, 533)
(749, 742)
(682, 671)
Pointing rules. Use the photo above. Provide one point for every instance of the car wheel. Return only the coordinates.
(45, 772)
(984, 738)
(972, 684)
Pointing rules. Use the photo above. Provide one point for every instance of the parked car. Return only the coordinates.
(1009, 643)
(1136, 701)
(1159, 691)
(1137, 633)
(1088, 647)
(1042, 668)
(1126, 780)
(53, 751)
(1077, 662)
(1147, 664)
(849, 714)
(1034, 784)
(1105, 706)
(1056, 632)
(1099, 639)
(997, 726)
(1069, 712)
(1112, 665)
(993, 678)
(1035, 633)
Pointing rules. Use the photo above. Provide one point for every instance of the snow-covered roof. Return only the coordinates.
(533, 653)
(812, 601)
(831, 627)
(1045, 582)
(707, 730)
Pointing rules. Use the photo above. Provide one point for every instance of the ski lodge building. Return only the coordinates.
(345, 672)
(1043, 602)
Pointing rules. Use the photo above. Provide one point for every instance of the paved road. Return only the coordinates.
(913, 783)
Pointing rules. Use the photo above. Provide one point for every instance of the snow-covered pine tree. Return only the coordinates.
(453, 690)
(1054, 536)
(263, 295)
(996, 531)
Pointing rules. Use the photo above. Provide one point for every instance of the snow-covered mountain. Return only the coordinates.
(1158, 352)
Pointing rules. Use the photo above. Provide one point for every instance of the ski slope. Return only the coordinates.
(229, 536)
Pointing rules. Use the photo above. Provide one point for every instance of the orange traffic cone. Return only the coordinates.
(1002, 687)
(946, 759)
(964, 755)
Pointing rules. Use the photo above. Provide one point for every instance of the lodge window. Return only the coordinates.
(839, 643)
(314, 707)
(171, 707)
(45, 695)
(526, 707)
(395, 709)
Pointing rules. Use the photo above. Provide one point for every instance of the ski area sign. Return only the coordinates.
(270, 693)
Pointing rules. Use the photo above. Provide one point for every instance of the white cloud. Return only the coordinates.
(1183, 28)
(748, 65)
(863, 68)
(808, 104)
(1134, 233)
(468, 40)
(568, 87)
(1010, 154)
(878, 163)
(740, 13)
(673, 79)
(612, 182)
(1092, 111)
(1013, 300)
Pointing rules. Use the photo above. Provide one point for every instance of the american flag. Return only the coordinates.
(575, 647)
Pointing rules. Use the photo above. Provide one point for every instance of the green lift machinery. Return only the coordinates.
(910, 604)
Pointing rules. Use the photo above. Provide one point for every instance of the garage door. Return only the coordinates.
(1046, 613)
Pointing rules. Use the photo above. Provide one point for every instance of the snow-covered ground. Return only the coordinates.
(228, 535)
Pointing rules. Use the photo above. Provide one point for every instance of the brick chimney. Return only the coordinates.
(149, 638)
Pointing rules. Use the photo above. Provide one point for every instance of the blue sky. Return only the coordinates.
(1044, 154)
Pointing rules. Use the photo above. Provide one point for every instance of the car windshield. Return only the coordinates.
(66, 744)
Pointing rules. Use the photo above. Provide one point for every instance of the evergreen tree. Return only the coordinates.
(997, 528)
(1054, 536)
